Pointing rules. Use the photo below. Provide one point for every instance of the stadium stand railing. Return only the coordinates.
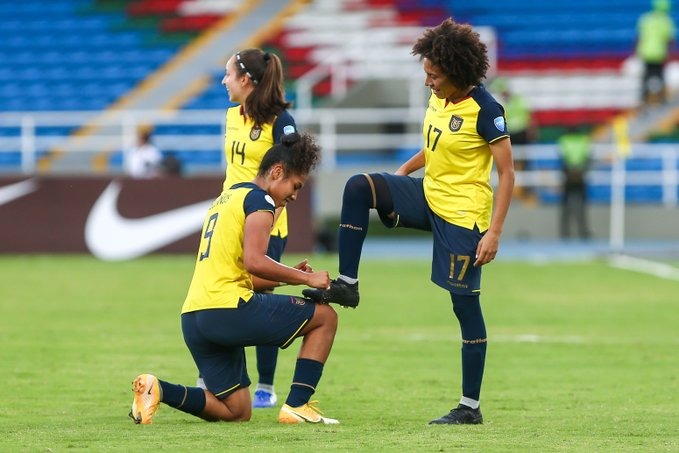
(652, 170)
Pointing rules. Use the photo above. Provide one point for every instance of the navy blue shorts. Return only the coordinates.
(454, 247)
(217, 337)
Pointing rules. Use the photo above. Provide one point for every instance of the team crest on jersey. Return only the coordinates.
(499, 123)
(255, 132)
(455, 123)
(297, 300)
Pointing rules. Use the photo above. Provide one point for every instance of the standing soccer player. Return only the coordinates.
(222, 313)
(464, 133)
(254, 80)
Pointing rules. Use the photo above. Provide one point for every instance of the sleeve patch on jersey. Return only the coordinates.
(268, 198)
(499, 123)
(289, 129)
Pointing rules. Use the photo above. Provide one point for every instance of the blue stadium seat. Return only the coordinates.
(634, 164)
(189, 157)
(10, 158)
(61, 54)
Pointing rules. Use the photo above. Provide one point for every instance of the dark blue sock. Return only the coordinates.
(187, 399)
(307, 374)
(266, 363)
(474, 343)
(356, 203)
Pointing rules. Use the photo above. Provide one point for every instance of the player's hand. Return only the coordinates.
(487, 248)
(319, 280)
(303, 266)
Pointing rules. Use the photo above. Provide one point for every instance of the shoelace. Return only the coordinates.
(313, 405)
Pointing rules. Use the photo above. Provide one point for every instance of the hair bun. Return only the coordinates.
(290, 139)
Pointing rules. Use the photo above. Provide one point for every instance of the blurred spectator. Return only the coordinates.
(170, 165)
(144, 161)
(575, 148)
(655, 36)
(521, 127)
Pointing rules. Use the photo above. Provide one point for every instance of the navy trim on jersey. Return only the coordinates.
(489, 111)
(282, 120)
(256, 199)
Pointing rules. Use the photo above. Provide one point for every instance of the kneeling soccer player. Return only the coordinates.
(222, 314)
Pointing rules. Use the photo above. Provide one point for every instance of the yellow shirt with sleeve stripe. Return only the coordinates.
(457, 155)
(219, 278)
(245, 146)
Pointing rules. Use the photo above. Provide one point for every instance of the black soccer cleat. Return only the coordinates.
(461, 415)
(339, 292)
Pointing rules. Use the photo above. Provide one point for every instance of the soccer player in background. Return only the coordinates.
(222, 313)
(254, 80)
(464, 133)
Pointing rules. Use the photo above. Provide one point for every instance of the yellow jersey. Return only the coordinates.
(219, 278)
(457, 155)
(245, 146)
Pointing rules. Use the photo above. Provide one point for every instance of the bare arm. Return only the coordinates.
(411, 165)
(262, 284)
(504, 164)
(255, 243)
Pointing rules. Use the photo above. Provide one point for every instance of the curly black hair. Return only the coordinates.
(298, 153)
(457, 49)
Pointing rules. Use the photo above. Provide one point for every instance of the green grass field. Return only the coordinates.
(581, 357)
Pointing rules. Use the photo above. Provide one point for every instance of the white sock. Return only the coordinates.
(265, 387)
(469, 402)
(351, 281)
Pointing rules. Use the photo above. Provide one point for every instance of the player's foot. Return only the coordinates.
(339, 292)
(201, 383)
(307, 413)
(264, 399)
(461, 415)
(146, 398)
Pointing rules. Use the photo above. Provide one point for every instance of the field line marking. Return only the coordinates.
(541, 339)
(654, 268)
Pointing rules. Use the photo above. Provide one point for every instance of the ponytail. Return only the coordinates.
(265, 70)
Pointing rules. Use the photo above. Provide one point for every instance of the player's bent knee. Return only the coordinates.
(242, 415)
(357, 191)
(357, 182)
(236, 407)
(326, 315)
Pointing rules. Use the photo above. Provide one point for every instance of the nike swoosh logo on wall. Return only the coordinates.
(17, 190)
(111, 237)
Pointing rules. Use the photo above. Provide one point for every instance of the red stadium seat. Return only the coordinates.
(188, 23)
(153, 7)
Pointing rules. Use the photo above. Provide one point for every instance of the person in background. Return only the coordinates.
(144, 161)
(575, 149)
(464, 134)
(171, 165)
(524, 131)
(254, 80)
(222, 313)
(655, 37)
